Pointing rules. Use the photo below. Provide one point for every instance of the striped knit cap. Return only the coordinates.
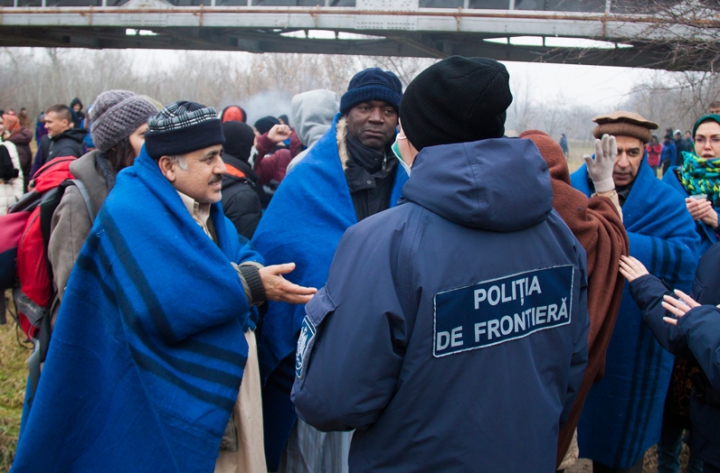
(115, 115)
(183, 127)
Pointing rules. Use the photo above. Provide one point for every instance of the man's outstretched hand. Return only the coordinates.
(277, 288)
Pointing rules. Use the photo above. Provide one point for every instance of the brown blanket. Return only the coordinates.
(597, 225)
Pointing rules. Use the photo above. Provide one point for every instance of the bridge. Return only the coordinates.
(614, 32)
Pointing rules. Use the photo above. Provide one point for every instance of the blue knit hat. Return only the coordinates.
(372, 84)
(183, 127)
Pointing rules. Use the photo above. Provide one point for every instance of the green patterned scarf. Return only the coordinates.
(700, 176)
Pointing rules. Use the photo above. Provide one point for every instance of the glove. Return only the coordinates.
(601, 168)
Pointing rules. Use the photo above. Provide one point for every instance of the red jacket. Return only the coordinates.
(654, 152)
(274, 167)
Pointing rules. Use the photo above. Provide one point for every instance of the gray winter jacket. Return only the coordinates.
(71, 222)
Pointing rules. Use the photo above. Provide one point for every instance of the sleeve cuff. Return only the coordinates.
(250, 274)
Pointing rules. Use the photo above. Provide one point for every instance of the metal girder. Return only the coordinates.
(393, 28)
(397, 44)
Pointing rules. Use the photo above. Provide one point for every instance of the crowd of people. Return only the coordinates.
(380, 282)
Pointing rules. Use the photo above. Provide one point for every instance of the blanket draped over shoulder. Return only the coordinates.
(623, 412)
(148, 351)
(596, 224)
(303, 224)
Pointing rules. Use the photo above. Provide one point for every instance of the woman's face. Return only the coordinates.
(137, 139)
(707, 140)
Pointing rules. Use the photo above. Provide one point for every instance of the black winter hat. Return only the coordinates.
(372, 84)
(456, 100)
(264, 124)
(239, 139)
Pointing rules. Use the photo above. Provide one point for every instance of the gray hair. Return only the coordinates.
(180, 160)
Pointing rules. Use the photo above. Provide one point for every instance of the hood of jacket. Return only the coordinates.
(76, 134)
(500, 185)
(313, 113)
(228, 179)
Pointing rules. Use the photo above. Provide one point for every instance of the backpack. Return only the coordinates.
(24, 238)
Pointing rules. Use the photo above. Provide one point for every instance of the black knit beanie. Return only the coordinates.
(239, 139)
(265, 124)
(456, 100)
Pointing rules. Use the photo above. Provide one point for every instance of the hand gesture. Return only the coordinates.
(632, 268)
(601, 168)
(277, 288)
(702, 210)
(678, 307)
(279, 133)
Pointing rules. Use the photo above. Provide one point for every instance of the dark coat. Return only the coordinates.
(240, 202)
(411, 342)
(698, 331)
(67, 143)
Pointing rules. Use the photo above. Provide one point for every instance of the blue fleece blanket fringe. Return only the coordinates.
(623, 412)
(308, 214)
(148, 351)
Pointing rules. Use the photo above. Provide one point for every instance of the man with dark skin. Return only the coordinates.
(349, 174)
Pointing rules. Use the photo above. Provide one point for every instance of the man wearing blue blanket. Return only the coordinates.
(350, 174)
(452, 332)
(623, 412)
(155, 333)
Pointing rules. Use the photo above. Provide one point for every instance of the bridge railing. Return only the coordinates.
(589, 6)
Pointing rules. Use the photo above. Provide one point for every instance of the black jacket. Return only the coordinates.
(240, 202)
(67, 143)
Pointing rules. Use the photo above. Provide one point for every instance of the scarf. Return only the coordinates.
(700, 176)
(368, 158)
(148, 351)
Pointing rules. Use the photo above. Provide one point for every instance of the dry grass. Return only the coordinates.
(13, 373)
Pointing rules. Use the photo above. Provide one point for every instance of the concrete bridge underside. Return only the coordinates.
(413, 28)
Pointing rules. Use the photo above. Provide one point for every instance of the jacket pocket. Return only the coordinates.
(319, 307)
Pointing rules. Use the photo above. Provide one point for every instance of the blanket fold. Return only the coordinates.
(148, 351)
(303, 224)
(623, 412)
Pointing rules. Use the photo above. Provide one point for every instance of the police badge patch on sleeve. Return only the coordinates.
(305, 341)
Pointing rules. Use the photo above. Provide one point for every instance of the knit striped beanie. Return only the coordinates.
(183, 127)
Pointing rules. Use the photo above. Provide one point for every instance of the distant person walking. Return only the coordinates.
(654, 150)
(21, 137)
(564, 145)
(668, 154)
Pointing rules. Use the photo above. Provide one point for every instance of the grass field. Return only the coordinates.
(13, 373)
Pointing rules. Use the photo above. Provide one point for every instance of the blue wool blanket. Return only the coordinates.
(148, 350)
(303, 224)
(623, 412)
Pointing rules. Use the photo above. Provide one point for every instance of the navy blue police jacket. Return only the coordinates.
(452, 332)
